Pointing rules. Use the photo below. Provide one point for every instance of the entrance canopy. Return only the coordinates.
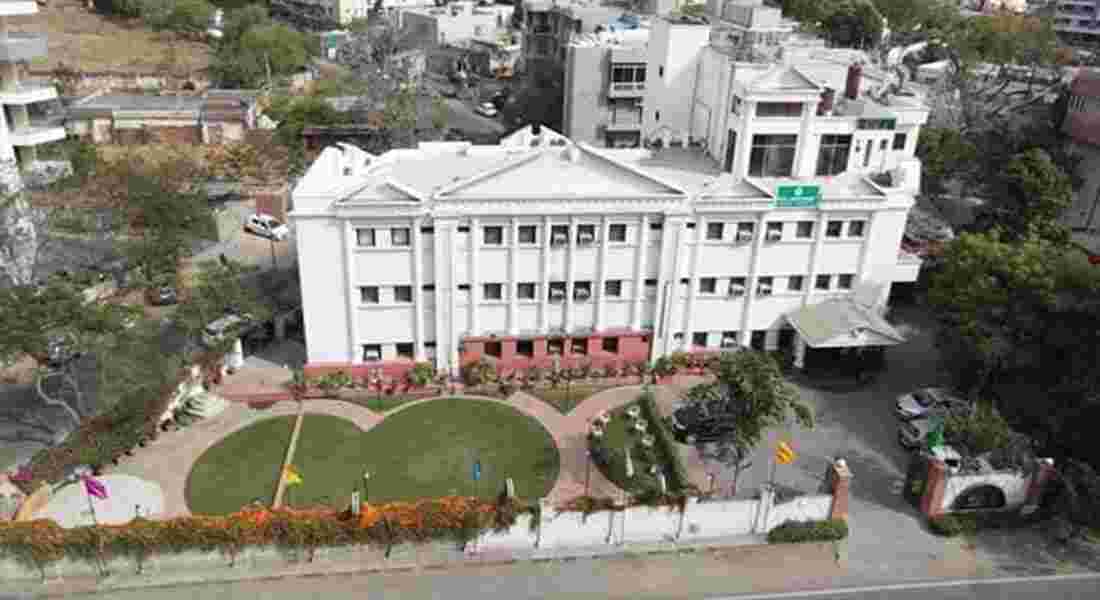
(842, 324)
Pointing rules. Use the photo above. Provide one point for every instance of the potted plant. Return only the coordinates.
(421, 374)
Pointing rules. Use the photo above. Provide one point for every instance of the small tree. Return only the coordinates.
(422, 374)
(439, 113)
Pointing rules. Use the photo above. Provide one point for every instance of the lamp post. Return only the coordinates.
(587, 470)
(366, 481)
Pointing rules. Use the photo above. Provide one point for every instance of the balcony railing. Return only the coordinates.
(626, 90)
(624, 122)
(16, 47)
(28, 93)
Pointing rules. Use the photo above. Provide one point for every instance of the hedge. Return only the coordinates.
(678, 479)
(954, 524)
(793, 532)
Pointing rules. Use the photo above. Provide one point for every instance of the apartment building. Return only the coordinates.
(1077, 20)
(1082, 125)
(455, 23)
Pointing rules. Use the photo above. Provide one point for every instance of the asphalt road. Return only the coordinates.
(1061, 587)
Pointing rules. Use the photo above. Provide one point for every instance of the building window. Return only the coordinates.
(774, 232)
(525, 348)
(580, 345)
(559, 235)
(493, 235)
(855, 229)
(628, 73)
(406, 351)
(492, 291)
(736, 105)
(661, 71)
(833, 229)
(399, 236)
(699, 339)
(772, 155)
(557, 291)
(832, 156)
(427, 230)
(650, 287)
(744, 231)
(368, 295)
(582, 290)
(525, 291)
(364, 238)
(656, 115)
(822, 282)
(804, 230)
(715, 231)
(586, 234)
(795, 282)
(494, 349)
(729, 339)
(882, 144)
(610, 345)
(613, 288)
(402, 293)
(428, 288)
(737, 286)
(656, 226)
(708, 285)
(779, 109)
(464, 229)
(844, 282)
(528, 234)
(372, 352)
(616, 232)
(555, 347)
(899, 141)
(764, 286)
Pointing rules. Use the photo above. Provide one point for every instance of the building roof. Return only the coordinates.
(784, 78)
(1084, 125)
(842, 323)
(139, 102)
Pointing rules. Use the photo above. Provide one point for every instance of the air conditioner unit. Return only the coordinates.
(764, 289)
(581, 294)
(557, 295)
(744, 236)
(559, 239)
(774, 236)
(586, 238)
(737, 289)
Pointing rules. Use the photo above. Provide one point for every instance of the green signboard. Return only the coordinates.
(797, 196)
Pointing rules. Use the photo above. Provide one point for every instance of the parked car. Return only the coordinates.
(498, 100)
(699, 422)
(930, 400)
(266, 226)
(161, 296)
(912, 434)
(61, 350)
(217, 331)
(486, 109)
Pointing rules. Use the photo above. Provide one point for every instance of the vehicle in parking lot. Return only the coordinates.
(217, 331)
(266, 226)
(61, 350)
(930, 400)
(486, 109)
(700, 422)
(161, 296)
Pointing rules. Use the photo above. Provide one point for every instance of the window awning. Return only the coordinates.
(842, 324)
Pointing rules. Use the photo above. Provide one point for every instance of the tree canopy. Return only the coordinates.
(221, 288)
(246, 60)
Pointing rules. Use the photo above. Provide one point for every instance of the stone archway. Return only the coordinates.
(980, 497)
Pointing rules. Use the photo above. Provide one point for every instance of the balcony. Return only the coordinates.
(908, 267)
(620, 122)
(15, 47)
(626, 90)
(38, 131)
(28, 93)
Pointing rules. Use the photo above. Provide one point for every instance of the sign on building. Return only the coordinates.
(797, 196)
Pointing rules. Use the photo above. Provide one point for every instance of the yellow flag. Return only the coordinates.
(291, 476)
(784, 455)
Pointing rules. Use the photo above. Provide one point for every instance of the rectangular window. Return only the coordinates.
(735, 107)
(580, 346)
(737, 286)
(764, 286)
(610, 345)
(832, 155)
(493, 235)
(616, 232)
(833, 229)
(882, 144)
(708, 285)
(369, 294)
(586, 235)
(729, 339)
(627, 73)
(427, 230)
(795, 283)
(399, 236)
(525, 291)
(582, 290)
(525, 348)
(656, 226)
(844, 282)
(699, 339)
(774, 232)
(779, 109)
(494, 349)
(855, 229)
(772, 155)
(528, 234)
(745, 231)
(372, 352)
(899, 141)
(492, 291)
(557, 291)
(364, 238)
(559, 235)
(804, 230)
(464, 229)
(555, 347)
(613, 288)
(402, 293)
(428, 287)
(405, 351)
(822, 282)
(715, 231)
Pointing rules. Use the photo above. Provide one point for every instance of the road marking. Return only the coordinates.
(922, 585)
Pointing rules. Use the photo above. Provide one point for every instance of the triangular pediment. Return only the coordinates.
(784, 79)
(386, 190)
(561, 171)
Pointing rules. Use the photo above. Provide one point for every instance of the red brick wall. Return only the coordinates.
(271, 201)
(191, 134)
(633, 347)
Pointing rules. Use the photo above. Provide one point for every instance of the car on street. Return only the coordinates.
(266, 226)
(162, 296)
(486, 109)
(930, 400)
(699, 422)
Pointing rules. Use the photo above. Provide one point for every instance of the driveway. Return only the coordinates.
(243, 247)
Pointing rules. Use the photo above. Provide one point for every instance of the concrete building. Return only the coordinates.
(32, 114)
(341, 12)
(541, 250)
(457, 22)
(1082, 125)
(1077, 20)
(214, 117)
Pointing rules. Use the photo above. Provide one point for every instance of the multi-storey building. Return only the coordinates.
(458, 22)
(1077, 20)
(32, 114)
(1082, 125)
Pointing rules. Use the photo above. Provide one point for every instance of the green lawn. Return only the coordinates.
(566, 398)
(240, 468)
(617, 437)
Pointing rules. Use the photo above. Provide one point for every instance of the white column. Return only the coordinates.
(802, 150)
(352, 315)
(750, 281)
(799, 352)
(602, 275)
(544, 287)
(418, 290)
(642, 241)
(744, 140)
(815, 256)
(865, 252)
(672, 242)
(570, 263)
(513, 277)
(696, 249)
(475, 281)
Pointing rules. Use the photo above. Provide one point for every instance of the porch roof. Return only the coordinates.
(842, 323)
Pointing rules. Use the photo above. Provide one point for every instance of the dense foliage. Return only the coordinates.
(793, 532)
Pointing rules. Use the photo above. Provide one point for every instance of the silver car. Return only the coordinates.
(929, 401)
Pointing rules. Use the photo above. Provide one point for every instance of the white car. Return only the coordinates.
(931, 400)
(486, 109)
(215, 331)
(266, 226)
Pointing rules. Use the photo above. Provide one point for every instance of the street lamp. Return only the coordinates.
(587, 470)
(366, 480)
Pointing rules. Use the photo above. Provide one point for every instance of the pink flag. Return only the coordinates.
(94, 487)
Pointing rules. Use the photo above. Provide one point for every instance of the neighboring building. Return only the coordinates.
(989, 7)
(1077, 20)
(216, 116)
(32, 114)
(493, 59)
(456, 22)
(1082, 124)
(319, 12)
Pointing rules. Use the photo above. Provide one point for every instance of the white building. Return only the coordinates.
(778, 224)
(1077, 20)
(460, 21)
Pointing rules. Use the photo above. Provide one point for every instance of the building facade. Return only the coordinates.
(217, 116)
(1082, 125)
(456, 23)
(1077, 20)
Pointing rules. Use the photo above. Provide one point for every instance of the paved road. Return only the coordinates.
(1070, 587)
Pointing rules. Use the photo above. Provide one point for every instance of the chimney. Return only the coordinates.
(828, 97)
(536, 128)
(851, 86)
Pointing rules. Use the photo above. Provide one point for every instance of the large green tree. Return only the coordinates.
(261, 50)
(1028, 196)
(222, 288)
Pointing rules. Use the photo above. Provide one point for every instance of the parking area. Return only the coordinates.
(247, 248)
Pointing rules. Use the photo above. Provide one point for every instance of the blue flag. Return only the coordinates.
(477, 471)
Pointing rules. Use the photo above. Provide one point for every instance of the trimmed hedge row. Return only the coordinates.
(793, 532)
(678, 480)
(954, 524)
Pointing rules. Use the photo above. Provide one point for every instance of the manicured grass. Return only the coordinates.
(240, 468)
(566, 398)
(381, 403)
(616, 438)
